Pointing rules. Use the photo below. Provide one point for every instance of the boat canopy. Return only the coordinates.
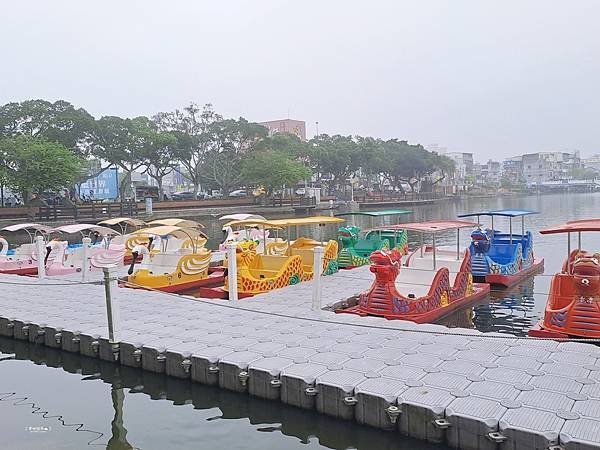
(433, 227)
(501, 212)
(242, 216)
(86, 227)
(122, 221)
(36, 227)
(258, 223)
(172, 230)
(574, 226)
(387, 212)
(184, 223)
(297, 221)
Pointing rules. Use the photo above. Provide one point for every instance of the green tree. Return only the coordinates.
(121, 142)
(60, 122)
(411, 164)
(193, 129)
(273, 170)
(337, 156)
(160, 150)
(581, 173)
(373, 161)
(33, 165)
(231, 141)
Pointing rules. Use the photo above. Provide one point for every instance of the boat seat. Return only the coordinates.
(365, 247)
(164, 262)
(307, 255)
(417, 282)
(502, 253)
(23, 251)
(263, 273)
(268, 262)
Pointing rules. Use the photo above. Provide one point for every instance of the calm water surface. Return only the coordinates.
(120, 408)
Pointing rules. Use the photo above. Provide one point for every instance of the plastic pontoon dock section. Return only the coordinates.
(468, 389)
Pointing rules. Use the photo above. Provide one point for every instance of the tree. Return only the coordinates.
(273, 169)
(122, 142)
(34, 165)
(411, 164)
(60, 122)
(192, 128)
(159, 149)
(230, 141)
(581, 173)
(373, 162)
(338, 156)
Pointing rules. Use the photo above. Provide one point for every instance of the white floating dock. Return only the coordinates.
(468, 389)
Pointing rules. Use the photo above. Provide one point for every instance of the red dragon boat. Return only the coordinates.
(573, 306)
(418, 293)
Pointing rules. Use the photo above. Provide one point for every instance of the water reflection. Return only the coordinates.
(508, 311)
(137, 424)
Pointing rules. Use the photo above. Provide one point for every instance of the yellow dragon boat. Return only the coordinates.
(284, 262)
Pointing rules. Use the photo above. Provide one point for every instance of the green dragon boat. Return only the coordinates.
(355, 250)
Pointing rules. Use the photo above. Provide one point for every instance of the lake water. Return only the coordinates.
(120, 408)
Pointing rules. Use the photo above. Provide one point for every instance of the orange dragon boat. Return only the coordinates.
(435, 283)
(573, 306)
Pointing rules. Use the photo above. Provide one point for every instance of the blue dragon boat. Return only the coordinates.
(502, 258)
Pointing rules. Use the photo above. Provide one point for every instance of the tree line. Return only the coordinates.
(47, 146)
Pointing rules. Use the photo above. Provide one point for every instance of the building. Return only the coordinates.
(549, 166)
(463, 164)
(592, 163)
(297, 127)
(491, 172)
(512, 169)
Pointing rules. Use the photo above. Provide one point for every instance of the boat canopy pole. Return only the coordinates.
(579, 240)
(522, 226)
(421, 237)
(569, 253)
(434, 261)
(264, 240)
(458, 244)
(395, 238)
(510, 228)
(492, 222)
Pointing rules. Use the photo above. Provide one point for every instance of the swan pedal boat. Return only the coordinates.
(23, 260)
(62, 260)
(573, 305)
(185, 269)
(503, 258)
(125, 226)
(355, 250)
(432, 284)
(281, 263)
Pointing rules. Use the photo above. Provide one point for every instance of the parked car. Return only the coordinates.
(239, 193)
(301, 191)
(183, 195)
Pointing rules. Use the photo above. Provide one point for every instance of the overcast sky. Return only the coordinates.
(493, 78)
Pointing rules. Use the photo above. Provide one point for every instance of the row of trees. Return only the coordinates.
(45, 146)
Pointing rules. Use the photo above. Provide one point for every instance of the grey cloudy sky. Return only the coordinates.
(495, 78)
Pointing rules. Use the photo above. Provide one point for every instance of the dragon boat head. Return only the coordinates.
(245, 252)
(385, 263)
(348, 236)
(586, 274)
(481, 240)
